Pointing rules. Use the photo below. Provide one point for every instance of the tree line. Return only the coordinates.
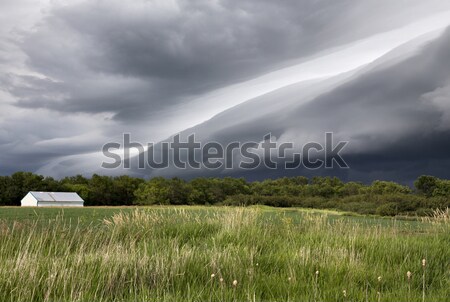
(380, 197)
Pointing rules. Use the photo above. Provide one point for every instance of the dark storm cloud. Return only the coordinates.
(388, 113)
(91, 70)
(138, 59)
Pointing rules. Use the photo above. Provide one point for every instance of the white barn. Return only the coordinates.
(52, 199)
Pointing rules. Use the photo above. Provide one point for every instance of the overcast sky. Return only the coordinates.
(78, 74)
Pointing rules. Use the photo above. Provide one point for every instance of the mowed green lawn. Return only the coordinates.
(195, 254)
(94, 216)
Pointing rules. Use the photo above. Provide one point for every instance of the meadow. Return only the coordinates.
(220, 254)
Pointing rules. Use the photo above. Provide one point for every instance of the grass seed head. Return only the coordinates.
(344, 292)
(408, 274)
(424, 262)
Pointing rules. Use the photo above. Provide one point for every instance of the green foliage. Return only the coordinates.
(380, 197)
(388, 209)
(155, 191)
(351, 188)
(16, 186)
(426, 184)
(388, 187)
(442, 188)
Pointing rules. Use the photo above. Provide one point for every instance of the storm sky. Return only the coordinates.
(78, 74)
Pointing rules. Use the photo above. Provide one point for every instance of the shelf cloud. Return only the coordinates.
(79, 74)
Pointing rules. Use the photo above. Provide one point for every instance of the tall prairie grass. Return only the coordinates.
(237, 254)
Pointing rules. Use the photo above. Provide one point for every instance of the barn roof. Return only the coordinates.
(57, 196)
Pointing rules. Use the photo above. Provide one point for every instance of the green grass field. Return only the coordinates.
(195, 254)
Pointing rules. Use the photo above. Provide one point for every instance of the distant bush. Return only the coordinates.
(388, 209)
(273, 201)
(381, 197)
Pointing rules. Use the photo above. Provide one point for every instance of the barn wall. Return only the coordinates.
(59, 204)
(29, 201)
